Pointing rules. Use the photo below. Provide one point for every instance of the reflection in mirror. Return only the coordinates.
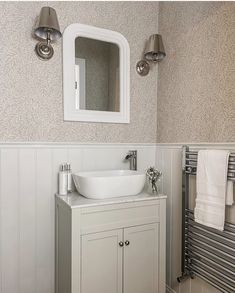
(96, 75)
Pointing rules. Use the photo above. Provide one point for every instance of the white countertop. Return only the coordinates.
(75, 200)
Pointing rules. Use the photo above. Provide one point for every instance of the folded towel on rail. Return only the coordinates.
(229, 194)
(212, 188)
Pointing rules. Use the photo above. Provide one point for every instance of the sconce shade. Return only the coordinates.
(48, 23)
(154, 50)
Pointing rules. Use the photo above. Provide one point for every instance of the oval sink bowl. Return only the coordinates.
(108, 184)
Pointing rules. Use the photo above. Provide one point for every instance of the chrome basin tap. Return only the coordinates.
(132, 157)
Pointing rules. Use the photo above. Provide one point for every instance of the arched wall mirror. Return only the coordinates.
(96, 75)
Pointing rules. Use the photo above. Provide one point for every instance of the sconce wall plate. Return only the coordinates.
(142, 67)
(44, 51)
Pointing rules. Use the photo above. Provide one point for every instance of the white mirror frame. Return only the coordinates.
(71, 113)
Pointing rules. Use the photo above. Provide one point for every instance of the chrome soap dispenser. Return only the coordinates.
(63, 180)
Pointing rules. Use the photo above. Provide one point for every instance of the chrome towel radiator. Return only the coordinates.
(206, 252)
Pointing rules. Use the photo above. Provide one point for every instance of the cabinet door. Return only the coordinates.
(101, 257)
(141, 259)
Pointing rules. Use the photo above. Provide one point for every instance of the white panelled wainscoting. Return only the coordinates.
(28, 183)
(168, 160)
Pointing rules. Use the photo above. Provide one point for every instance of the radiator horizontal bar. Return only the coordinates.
(211, 257)
(222, 286)
(218, 238)
(195, 153)
(213, 264)
(227, 224)
(220, 246)
(229, 279)
(190, 173)
(227, 233)
(230, 176)
(191, 159)
(194, 160)
(193, 243)
(211, 282)
(189, 166)
(211, 270)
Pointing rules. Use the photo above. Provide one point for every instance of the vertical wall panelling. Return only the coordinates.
(0, 229)
(28, 183)
(167, 189)
(145, 158)
(10, 225)
(75, 155)
(45, 188)
(159, 166)
(27, 221)
(176, 201)
(104, 158)
(168, 160)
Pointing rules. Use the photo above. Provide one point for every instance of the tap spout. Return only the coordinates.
(132, 157)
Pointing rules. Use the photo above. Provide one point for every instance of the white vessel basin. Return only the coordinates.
(108, 184)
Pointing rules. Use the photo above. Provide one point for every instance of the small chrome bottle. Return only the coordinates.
(69, 177)
(63, 180)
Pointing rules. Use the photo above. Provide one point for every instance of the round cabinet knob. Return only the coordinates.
(121, 243)
(127, 242)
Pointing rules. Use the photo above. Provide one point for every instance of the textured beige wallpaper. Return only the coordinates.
(196, 86)
(31, 90)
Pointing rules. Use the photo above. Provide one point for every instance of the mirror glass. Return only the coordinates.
(96, 75)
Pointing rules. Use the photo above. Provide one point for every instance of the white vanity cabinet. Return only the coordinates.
(110, 246)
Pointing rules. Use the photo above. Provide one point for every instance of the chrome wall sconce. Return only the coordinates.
(154, 52)
(47, 31)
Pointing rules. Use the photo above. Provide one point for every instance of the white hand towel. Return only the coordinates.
(229, 193)
(212, 167)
